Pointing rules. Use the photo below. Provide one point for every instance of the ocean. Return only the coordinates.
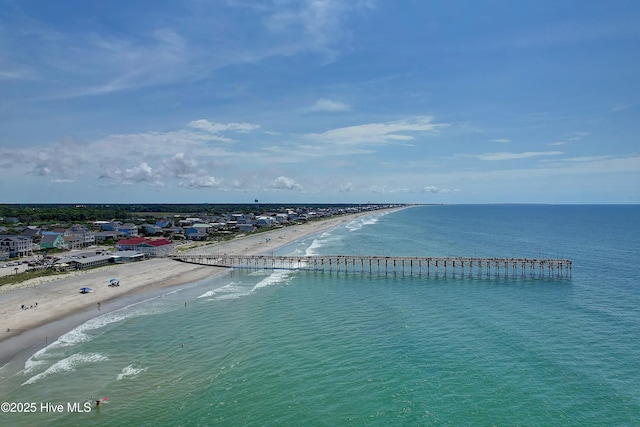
(330, 349)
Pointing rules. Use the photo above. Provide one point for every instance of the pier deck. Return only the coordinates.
(389, 265)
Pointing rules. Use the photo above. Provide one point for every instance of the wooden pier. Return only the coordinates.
(393, 265)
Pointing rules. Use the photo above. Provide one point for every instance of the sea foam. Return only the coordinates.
(274, 279)
(129, 372)
(81, 334)
(68, 364)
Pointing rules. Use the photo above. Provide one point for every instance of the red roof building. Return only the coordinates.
(153, 248)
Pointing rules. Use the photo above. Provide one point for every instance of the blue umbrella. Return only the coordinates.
(85, 290)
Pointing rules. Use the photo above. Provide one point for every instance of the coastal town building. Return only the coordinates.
(97, 260)
(103, 236)
(152, 248)
(151, 229)
(73, 241)
(52, 241)
(17, 246)
(79, 236)
(157, 248)
(128, 229)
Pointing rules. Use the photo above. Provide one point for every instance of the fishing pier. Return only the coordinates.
(392, 265)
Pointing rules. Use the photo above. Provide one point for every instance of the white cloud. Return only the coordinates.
(434, 189)
(587, 159)
(346, 187)
(328, 105)
(212, 127)
(510, 156)
(431, 189)
(202, 182)
(316, 25)
(179, 166)
(284, 183)
(501, 140)
(378, 133)
(136, 174)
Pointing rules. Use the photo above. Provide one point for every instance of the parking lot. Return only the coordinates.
(11, 269)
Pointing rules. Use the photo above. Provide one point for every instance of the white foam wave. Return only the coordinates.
(130, 371)
(357, 224)
(273, 279)
(68, 364)
(207, 294)
(235, 290)
(231, 290)
(31, 365)
(231, 296)
(321, 241)
(81, 333)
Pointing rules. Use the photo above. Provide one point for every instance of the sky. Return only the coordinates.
(319, 101)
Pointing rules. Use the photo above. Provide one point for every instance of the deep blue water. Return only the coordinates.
(301, 348)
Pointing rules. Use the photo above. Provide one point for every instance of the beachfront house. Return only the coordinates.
(32, 231)
(174, 231)
(282, 218)
(82, 237)
(73, 242)
(164, 222)
(265, 221)
(130, 244)
(52, 240)
(246, 228)
(196, 233)
(103, 236)
(17, 246)
(157, 248)
(128, 229)
(108, 225)
(151, 229)
(152, 248)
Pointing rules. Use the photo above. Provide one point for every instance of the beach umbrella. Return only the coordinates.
(85, 290)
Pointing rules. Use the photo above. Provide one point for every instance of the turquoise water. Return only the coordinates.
(300, 348)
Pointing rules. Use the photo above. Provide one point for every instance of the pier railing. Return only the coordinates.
(389, 265)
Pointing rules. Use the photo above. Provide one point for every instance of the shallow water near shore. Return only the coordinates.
(300, 348)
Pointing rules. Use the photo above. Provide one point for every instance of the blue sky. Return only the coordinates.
(321, 101)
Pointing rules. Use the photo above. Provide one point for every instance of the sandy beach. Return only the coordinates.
(49, 301)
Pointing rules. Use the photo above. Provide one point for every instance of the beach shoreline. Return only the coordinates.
(55, 306)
